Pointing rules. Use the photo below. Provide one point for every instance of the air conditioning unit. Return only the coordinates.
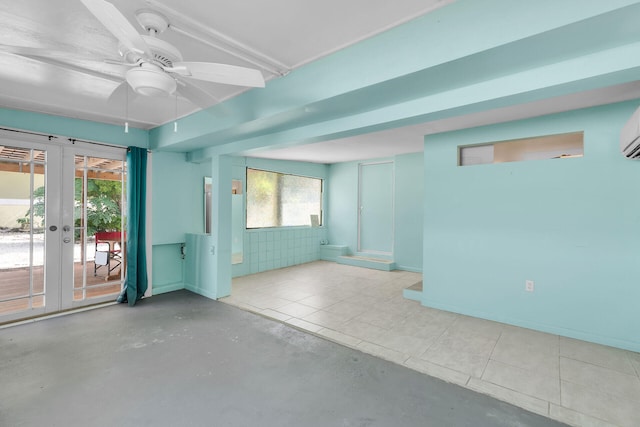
(630, 137)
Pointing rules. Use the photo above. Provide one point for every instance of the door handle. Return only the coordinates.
(66, 228)
(53, 228)
(66, 240)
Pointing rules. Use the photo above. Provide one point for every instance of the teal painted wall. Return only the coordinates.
(408, 215)
(342, 213)
(74, 128)
(177, 209)
(167, 269)
(408, 208)
(376, 194)
(178, 197)
(570, 225)
(199, 272)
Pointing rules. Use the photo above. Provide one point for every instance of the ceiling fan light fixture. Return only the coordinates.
(151, 81)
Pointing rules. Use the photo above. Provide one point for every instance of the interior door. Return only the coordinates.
(375, 216)
(47, 256)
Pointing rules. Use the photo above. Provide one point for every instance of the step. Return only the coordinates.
(332, 252)
(413, 292)
(367, 262)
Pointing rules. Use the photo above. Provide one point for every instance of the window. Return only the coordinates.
(538, 148)
(280, 200)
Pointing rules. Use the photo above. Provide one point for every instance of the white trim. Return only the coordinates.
(149, 227)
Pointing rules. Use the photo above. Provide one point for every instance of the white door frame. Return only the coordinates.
(59, 214)
(361, 207)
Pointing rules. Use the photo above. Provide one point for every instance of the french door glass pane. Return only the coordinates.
(99, 184)
(22, 224)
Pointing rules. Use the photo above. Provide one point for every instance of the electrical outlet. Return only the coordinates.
(528, 285)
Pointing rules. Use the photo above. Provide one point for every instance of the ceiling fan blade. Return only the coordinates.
(219, 73)
(195, 94)
(122, 95)
(118, 25)
(105, 69)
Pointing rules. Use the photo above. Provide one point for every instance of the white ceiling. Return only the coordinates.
(276, 37)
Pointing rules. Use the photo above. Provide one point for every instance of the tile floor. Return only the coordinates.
(576, 382)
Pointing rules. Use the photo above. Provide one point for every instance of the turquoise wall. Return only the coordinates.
(74, 128)
(570, 225)
(177, 209)
(342, 212)
(408, 215)
(408, 208)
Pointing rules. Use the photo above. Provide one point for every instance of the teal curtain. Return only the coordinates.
(135, 282)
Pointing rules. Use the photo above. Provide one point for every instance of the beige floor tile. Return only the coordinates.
(412, 346)
(531, 383)
(445, 374)
(364, 300)
(381, 319)
(486, 328)
(362, 330)
(596, 354)
(467, 341)
(295, 309)
(529, 403)
(635, 361)
(601, 379)
(534, 340)
(307, 326)
(459, 360)
(339, 337)
(597, 404)
(533, 357)
(319, 301)
(574, 418)
(292, 294)
(326, 319)
(275, 315)
(425, 332)
(383, 352)
(346, 309)
(264, 302)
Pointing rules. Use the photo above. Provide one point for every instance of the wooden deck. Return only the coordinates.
(14, 286)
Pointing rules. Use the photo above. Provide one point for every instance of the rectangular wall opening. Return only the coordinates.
(559, 146)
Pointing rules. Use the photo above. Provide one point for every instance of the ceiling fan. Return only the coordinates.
(150, 66)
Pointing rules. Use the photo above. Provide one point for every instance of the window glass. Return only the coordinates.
(280, 200)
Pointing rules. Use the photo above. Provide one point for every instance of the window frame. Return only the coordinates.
(321, 199)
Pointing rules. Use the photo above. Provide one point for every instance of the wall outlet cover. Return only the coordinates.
(529, 285)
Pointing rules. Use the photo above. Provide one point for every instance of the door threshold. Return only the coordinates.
(54, 315)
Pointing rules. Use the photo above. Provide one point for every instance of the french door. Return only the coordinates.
(54, 198)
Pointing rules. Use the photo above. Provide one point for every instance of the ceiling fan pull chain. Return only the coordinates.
(175, 123)
(126, 110)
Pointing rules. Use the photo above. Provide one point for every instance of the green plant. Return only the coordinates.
(103, 205)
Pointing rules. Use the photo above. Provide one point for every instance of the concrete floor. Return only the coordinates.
(183, 360)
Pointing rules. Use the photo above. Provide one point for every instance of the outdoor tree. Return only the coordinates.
(103, 201)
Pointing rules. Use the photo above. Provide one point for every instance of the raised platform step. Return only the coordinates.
(332, 252)
(413, 292)
(367, 262)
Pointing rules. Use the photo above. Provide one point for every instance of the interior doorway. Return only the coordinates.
(375, 213)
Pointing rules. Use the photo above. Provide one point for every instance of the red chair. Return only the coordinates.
(108, 250)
